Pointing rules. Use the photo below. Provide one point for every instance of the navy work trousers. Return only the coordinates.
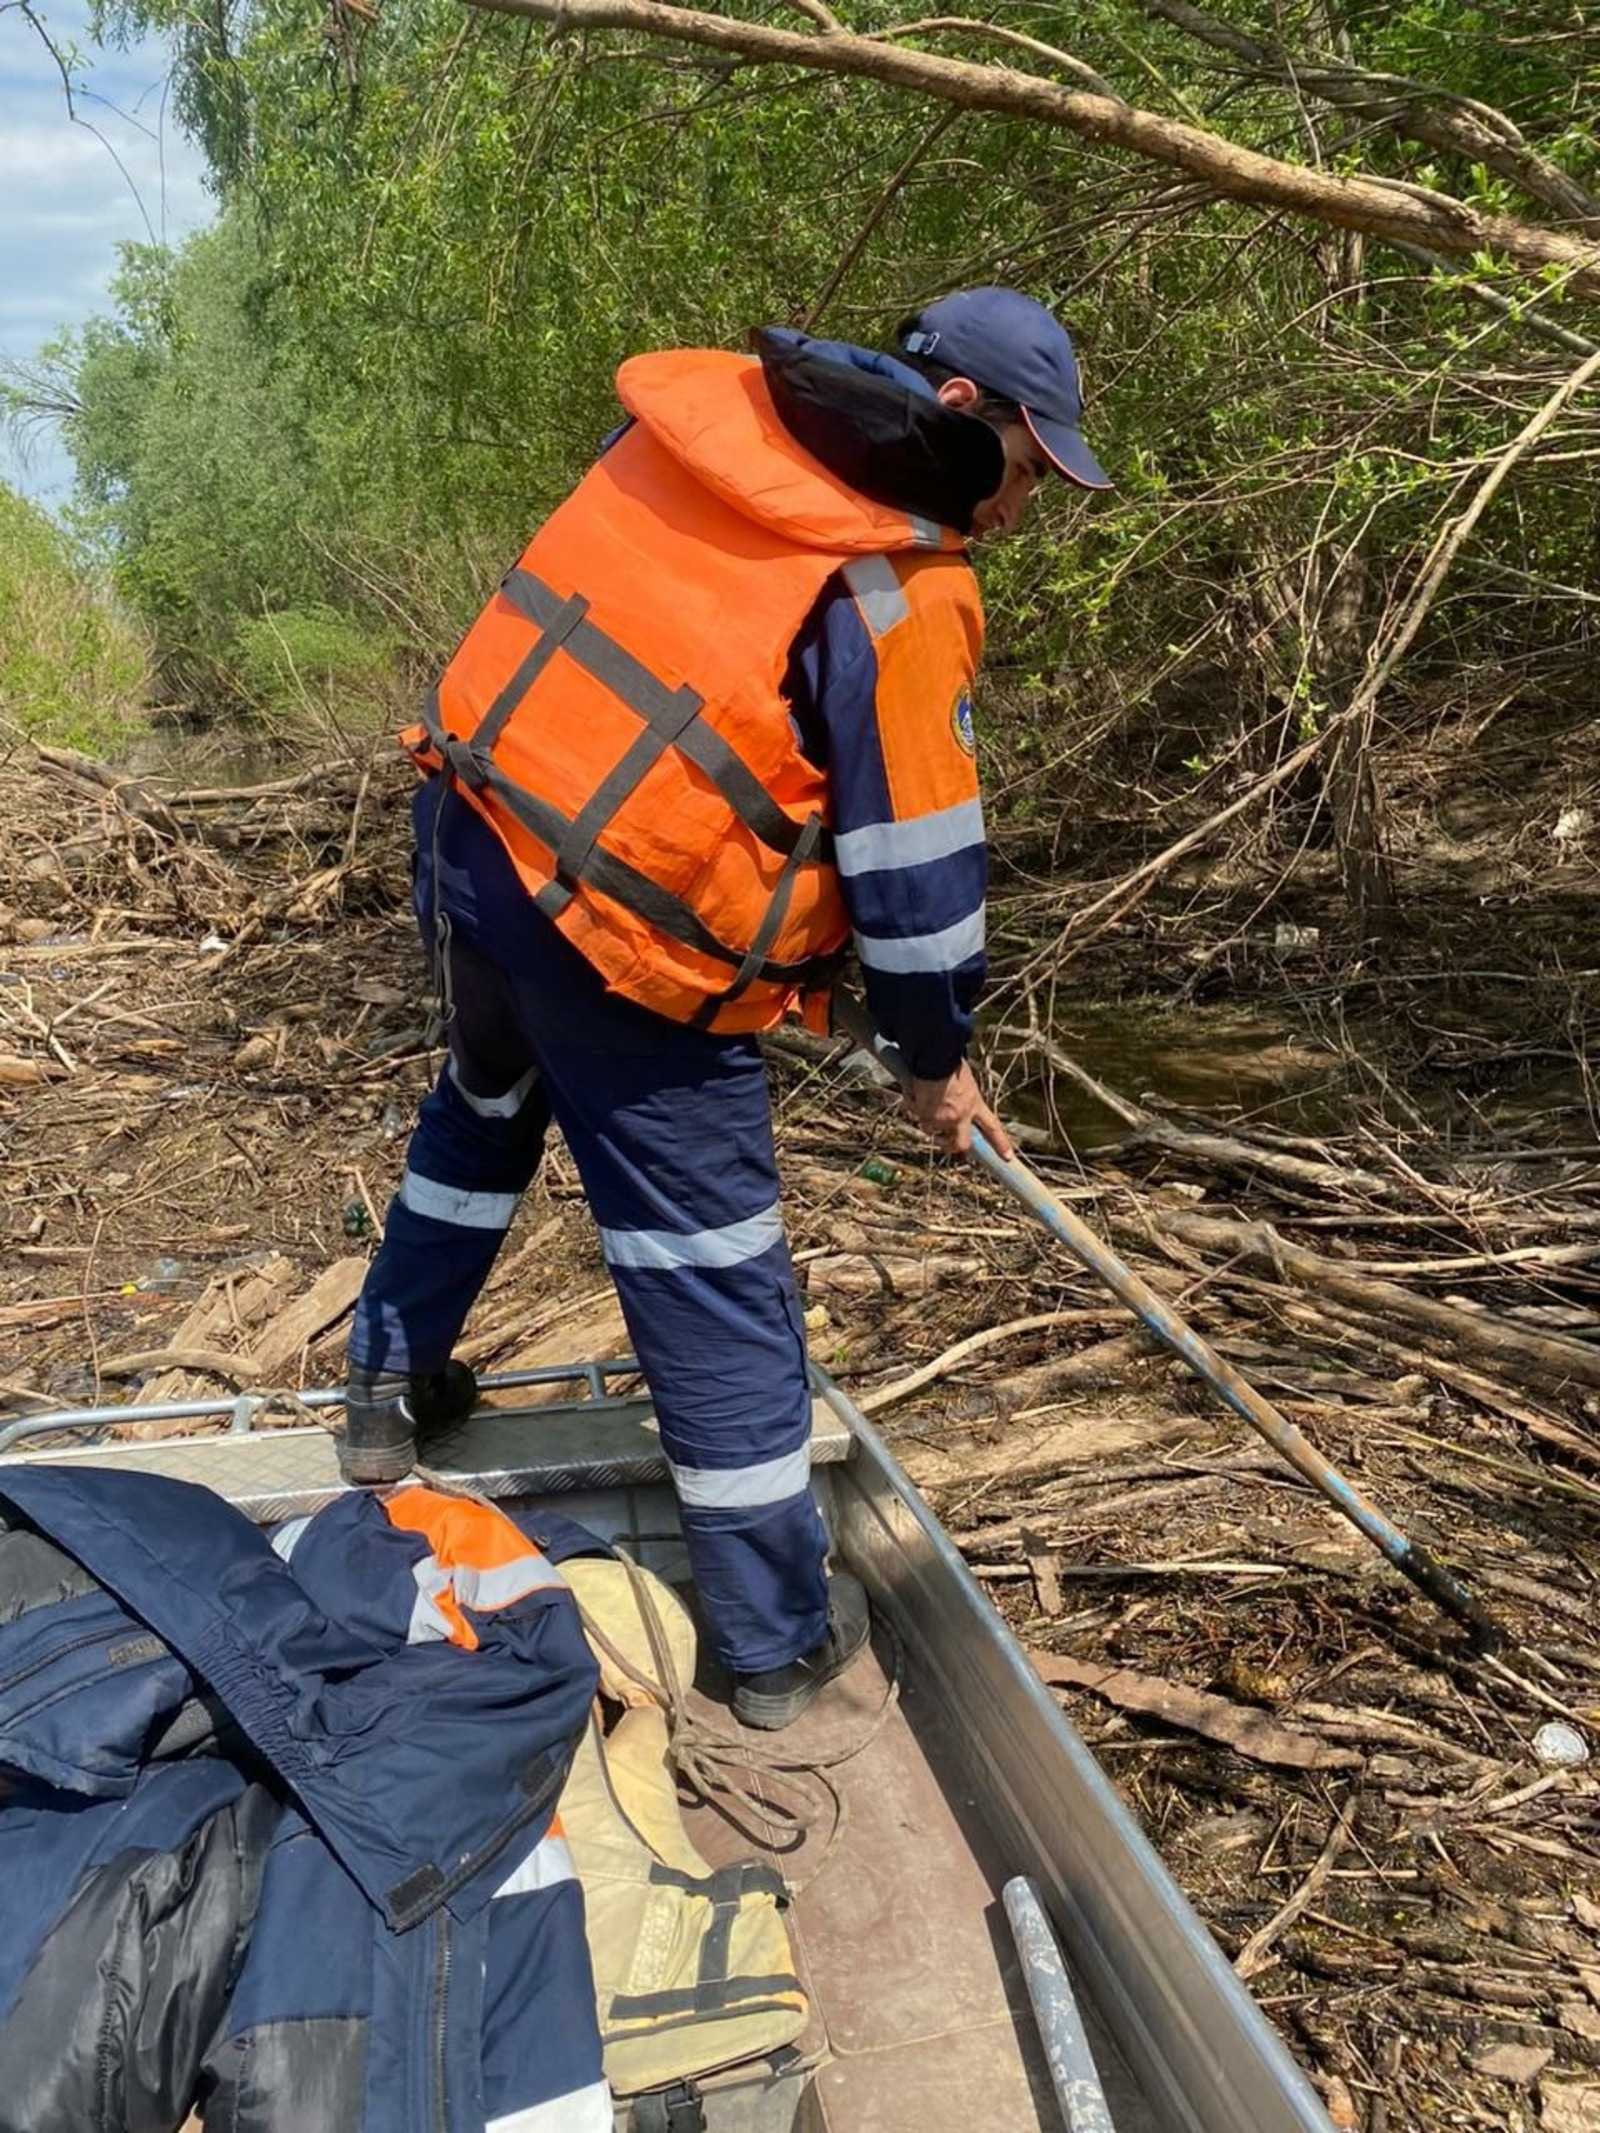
(671, 1133)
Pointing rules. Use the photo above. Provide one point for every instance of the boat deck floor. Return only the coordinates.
(919, 2012)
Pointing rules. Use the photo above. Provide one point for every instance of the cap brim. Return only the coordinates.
(1066, 451)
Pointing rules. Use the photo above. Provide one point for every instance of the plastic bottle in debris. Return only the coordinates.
(164, 1275)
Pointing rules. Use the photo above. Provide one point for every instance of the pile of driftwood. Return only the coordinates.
(1395, 1836)
(212, 1041)
(186, 1020)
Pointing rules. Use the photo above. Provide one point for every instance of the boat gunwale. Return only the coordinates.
(1194, 2039)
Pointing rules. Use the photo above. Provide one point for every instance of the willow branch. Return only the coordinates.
(880, 208)
(1454, 125)
(1548, 329)
(77, 117)
(1436, 221)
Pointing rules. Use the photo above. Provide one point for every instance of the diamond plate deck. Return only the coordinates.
(499, 1451)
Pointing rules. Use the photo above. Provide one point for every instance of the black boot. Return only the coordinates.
(386, 1411)
(776, 1699)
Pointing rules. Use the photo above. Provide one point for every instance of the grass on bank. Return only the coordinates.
(316, 674)
(75, 669)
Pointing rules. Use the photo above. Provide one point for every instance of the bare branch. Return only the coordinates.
(1436, 221)
(1455, 125)
(77, 117)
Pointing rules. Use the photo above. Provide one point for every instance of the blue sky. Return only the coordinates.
(65, 206)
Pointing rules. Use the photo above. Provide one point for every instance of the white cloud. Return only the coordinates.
(44, 305)
(59, 179)
(66, 203)
(43, 154)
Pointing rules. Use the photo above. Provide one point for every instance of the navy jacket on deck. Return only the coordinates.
(276, 1817)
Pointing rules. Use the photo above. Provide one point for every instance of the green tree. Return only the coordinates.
(74, 667)
(443, 229)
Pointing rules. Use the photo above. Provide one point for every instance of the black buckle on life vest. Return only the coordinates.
(679, 2109)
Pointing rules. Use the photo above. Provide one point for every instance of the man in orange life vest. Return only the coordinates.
(715, 723)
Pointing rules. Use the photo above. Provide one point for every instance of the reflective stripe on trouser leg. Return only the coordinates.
(674, 1145)
(476, 1146)
(722, 1350)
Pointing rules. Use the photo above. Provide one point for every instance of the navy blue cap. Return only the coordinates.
(1005, 342)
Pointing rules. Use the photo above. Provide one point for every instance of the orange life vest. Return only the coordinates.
(615, 713)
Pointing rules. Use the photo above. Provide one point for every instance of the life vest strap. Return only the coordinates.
(602, 869)
(619, 783)
(747, 1877)
(661, 708)
(734, 1997)
(804, 854)
(562, 625)
(714, 1991)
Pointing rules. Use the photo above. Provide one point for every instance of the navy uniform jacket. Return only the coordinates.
(276, 1822)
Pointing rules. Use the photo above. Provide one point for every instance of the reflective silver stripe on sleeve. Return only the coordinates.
(928, 533)
(548, 1864)
(506, 1582)
(733, 1488)
(286, 1539)
(453, 1203)
(669, 1248)
(925, 951)
(878, 592)
(909, 844)
(480, 1590)
(429, 1623)
(587, 2110)
(505, 1106)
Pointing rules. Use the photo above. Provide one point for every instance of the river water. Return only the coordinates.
(206, 755)
(1226, 1061)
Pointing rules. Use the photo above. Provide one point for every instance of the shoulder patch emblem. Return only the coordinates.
(961, 724)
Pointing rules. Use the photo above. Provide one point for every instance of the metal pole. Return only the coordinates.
(1412, 1560)
(1073, 2073)
(239, 1407)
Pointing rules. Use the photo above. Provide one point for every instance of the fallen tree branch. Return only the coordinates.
(1547, 1356)
(1223, 1152)
(129, 794)
(1354, 1330)
(321, 776)
(1217, 1718)
(889, 1395)
(1435, 220)
(239, 1370)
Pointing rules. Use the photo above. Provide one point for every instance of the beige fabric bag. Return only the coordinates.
(693, 1969)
